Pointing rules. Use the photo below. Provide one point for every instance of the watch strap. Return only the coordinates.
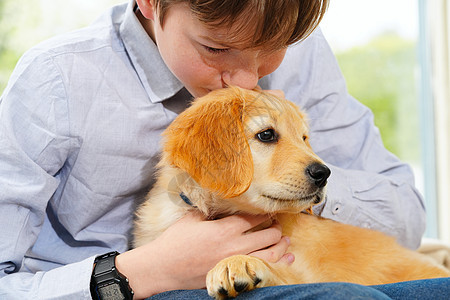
(106, 276)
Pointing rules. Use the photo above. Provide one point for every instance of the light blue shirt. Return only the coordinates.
(80, 125)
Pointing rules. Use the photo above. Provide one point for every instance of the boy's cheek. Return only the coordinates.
(271, 63)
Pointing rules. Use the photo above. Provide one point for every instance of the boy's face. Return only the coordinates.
(204, 59)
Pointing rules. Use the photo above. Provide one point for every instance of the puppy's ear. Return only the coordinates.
(208, 141)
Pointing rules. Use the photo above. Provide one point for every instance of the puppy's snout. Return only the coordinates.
(319, 173)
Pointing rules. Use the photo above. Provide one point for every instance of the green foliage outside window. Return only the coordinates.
(8, 56)
(382, 75)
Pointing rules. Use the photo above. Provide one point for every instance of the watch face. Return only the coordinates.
(111, 292)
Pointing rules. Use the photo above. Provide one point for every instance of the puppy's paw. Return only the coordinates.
(237, 274)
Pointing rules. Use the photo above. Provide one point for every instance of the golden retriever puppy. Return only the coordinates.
(237, 150)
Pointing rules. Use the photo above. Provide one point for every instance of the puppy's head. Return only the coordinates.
(249, 148)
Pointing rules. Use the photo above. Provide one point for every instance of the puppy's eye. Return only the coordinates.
(305, 137)
(267, 136)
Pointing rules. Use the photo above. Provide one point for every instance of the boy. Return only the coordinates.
(80, 123)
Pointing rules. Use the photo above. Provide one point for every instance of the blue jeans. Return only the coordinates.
(433, 289)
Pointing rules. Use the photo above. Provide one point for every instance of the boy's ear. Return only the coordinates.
(147, 8)
(208, 142)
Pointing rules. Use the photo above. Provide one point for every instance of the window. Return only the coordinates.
(435, 32)
(394, 55)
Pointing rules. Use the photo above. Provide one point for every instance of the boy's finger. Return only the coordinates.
(276, 252)
(264, 240)
(243, 223)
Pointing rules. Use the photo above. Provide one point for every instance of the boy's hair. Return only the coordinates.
(275, 23)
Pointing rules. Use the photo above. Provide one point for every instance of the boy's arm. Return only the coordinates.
(23, 198)
(67, 282)
(369, 186)
(33, 148)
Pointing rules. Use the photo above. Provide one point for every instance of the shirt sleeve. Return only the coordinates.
(34, 145)
(368, 187)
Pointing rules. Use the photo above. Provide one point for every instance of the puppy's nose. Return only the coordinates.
(319, 173)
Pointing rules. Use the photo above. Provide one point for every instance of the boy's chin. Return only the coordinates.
(198, 92)
(202, 92)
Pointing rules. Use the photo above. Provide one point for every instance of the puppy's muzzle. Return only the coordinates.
(318, 173)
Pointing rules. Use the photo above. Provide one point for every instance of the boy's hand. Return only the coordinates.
(181, 257)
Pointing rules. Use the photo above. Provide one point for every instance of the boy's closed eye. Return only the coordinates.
(216, 50)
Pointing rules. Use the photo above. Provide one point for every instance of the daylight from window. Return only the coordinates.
(375, 43)
(378, 48)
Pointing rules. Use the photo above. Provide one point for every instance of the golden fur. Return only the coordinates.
(212, 154)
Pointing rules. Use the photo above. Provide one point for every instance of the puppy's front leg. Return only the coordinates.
(239, 273)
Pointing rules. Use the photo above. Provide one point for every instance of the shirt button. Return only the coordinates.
(336, 209)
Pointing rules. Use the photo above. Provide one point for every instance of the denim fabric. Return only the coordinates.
(433, 289)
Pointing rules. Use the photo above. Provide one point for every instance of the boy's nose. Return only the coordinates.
(243, 77)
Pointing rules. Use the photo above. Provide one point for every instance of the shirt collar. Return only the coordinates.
(158, 81)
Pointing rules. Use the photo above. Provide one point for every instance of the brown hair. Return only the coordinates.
(275, 23)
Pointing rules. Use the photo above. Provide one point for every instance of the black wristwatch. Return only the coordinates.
(106, 282)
